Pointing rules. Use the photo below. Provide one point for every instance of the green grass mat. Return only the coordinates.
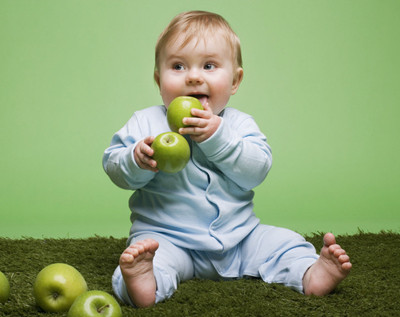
(372, 288)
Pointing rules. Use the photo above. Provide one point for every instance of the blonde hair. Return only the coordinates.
(197, 24)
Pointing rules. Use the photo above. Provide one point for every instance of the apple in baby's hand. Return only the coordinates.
(95, 304)
(57, 286)
(171, 152)
(180, 108)
(4, 288)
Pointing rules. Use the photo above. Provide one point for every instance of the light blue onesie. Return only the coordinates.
(203, 216)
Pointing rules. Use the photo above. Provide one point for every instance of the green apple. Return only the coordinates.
(95, 304)
(171, 152)
(180, 108)
(57, 286)
(4, 288)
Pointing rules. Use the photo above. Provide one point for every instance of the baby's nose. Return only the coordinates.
(194, 78)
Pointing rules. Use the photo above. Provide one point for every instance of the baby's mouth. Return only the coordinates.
(202, 98)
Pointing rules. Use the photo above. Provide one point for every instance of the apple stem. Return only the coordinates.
(103, 307)
(55, 295)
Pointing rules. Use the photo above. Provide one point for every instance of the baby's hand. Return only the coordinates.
(143, 154)
(202, 125)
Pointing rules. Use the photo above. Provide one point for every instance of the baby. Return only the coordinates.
(200, 222)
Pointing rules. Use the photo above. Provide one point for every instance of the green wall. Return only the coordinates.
(321, 79)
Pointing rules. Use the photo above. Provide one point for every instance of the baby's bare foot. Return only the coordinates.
(329, 270)
(136, 264)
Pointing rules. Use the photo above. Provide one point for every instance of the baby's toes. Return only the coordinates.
(338, 252)
(347, 266)
(343, 258)
(126, 258)
(140, 247)
(334, 247)
(129, 254)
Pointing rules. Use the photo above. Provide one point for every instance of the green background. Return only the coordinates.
(321, 79)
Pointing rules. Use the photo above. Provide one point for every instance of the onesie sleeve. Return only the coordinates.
(118, 159)
(239, 150)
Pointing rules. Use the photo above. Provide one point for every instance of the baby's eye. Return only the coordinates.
(209, 66)
(178, 67)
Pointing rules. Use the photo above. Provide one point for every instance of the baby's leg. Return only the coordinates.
(329, 270)
(277, 255)
(136, 264)
(164, 270)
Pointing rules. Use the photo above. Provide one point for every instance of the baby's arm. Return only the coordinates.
(124, 158)
(239, 150)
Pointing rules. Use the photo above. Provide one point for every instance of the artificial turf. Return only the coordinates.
(371, 289)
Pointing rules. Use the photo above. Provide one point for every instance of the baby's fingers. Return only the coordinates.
(144, 153)
(147, 150)
(207, 107)
(148, 140)
(148, 160)
(195, 122)
(206, 113)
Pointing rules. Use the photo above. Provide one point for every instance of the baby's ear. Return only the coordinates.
(237, 79)
(157, 78)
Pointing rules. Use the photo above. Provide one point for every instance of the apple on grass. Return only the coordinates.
(180, 108)
(57, 286)
(4, 288)
(171, 152)
(95, 304)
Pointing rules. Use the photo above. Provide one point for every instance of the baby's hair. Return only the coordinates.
(198, 24)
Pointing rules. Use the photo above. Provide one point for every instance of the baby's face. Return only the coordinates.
(202, 68)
